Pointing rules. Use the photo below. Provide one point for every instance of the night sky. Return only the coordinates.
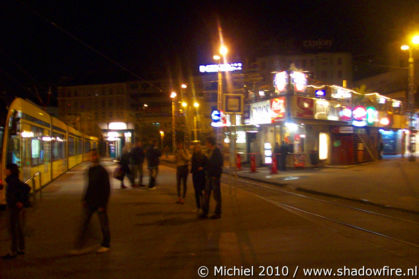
(160, 39)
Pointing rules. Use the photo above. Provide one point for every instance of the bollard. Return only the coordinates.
(253, 162)
(238, 162)
(274, 166)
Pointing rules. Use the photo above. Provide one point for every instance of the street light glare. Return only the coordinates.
(223, 50)
(196, 104)
(216, 57)
(404, 47)
(184, 104)
(173, 95)
(415, 40)
(184, 86)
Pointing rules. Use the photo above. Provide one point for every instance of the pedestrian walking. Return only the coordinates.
(214, 169)
(182, 160)
(283, 151)
(95, 200)
(153, 160)
(17, 198)
(124, 165)
(277, 151)
(137, 160)
(199, 162)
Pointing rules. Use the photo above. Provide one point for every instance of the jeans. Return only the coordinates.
(16, 223)
(137, 171)
(212, 184)
(104, 225)
(181, 178)
(199, 186)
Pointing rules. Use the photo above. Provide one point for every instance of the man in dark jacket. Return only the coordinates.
(95, 199)
(153, 160)
(15, 197)
(214, 168)
(137, 160)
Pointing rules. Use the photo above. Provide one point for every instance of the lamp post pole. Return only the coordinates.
(173, 97)
(411, 100)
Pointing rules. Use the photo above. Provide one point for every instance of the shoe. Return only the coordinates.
(216, 216)
(202, 216)
(178, 201)
(9, 256)
(102, 249)
(123, 187)
(21, 252)
(182, 201)
(142, 185)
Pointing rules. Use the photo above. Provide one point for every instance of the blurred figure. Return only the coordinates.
(214, 169)
(153, 160)
(199, 162)
(137, 158)
(277, 151)
(124, 164)
(283, 151)
(182, 159)
(96, 197)
(17, 197)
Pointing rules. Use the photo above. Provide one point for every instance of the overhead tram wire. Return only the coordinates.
(86, 45)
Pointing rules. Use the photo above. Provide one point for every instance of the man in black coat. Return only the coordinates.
(16, 199)
(214, 168)
(153, 160)
(137, 158)
(95, 199)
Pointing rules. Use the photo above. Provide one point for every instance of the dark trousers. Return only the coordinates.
(212, 185)
(16, 223)
(181, 178)
(199, 186)
(104, 225)
(283, 162)
(152, 172)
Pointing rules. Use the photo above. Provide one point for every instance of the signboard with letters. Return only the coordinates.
(233, 103)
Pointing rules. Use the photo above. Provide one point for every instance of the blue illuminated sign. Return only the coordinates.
(320, 93)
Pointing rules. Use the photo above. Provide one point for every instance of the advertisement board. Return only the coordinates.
(278, 109)
(260, 112)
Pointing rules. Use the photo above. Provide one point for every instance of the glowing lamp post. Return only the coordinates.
(411, 96)
(173, 97)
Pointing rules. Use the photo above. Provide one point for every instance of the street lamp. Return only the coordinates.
(411, 96)
(173, 97)
(217, 57)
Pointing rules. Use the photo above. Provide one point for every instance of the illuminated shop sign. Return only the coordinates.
(385, 121)
(359, 115)
(372, 115)
(299, 80)
(278, 109)
(305, 107)
(280, 81)
(117, 126)
(345, 114)
(214, 68)
(218, 118)
(341, 93)
(320, 93)
(260, 112)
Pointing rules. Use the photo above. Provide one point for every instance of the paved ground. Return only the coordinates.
(153, 237)
(392, 182)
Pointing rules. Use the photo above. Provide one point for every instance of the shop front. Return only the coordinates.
(325, 125)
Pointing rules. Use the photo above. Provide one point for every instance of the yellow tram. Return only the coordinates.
(40, 144)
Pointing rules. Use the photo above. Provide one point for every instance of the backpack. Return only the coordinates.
(26, 190)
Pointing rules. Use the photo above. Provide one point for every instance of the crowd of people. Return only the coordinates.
(206, 169)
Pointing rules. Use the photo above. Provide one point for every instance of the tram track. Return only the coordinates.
(275, 196)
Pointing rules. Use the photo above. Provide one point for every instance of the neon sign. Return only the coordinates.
(320, 93)
(359, 115)
(214, 68)
(280, 81)
(278, 108)
(372, 115)
(299, 80)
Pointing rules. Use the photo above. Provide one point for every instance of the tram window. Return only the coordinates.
(86, 146)
(58, 147)
(70, 146)
(37, 149)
